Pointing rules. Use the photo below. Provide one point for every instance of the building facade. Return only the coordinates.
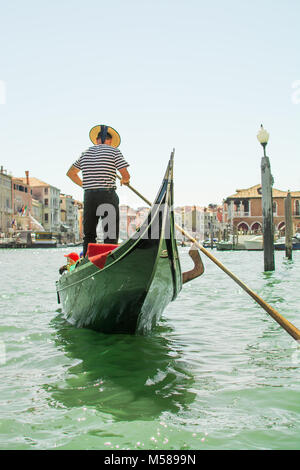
(127, 221)
(37, 211)
(79, 206)
(22, 203)
(201, 222)
(69, 217)
(243, 210)
(6, 205)
(49, 196)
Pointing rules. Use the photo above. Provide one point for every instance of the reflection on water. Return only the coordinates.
(129, 377)
(218, 373)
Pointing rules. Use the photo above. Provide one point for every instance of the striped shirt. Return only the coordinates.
(98, 165)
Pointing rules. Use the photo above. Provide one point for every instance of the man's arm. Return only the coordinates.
(125, 176)
(73, 175)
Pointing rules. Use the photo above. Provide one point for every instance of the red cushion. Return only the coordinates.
(98, 252)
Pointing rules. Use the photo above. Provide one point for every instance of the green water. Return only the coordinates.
(217, 373)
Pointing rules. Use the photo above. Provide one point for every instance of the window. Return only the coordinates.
(275, 208)
(46, 218)
(46, 190)
(256, 228)
(243, 227)
(46, 202)
(297, 208)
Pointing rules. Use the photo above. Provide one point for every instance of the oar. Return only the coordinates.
(283, 322)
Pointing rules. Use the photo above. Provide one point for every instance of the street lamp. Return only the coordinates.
(263, 138)
(267, 203)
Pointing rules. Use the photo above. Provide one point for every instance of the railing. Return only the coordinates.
(241, 214)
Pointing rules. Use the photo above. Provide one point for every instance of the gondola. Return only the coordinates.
(125, 288)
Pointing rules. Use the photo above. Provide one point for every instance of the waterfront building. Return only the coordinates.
(179, 221)
(79, 206)
(69, 226)
(76, 223)
(49, 196)
(127, 221)
(140, 216)
(243, 210)
(201, 222)
(37, 211)
(6, 205)
(22, 203)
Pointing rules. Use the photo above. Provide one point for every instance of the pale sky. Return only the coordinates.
(197, 76)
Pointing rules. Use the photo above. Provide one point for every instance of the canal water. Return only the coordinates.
(217, 373)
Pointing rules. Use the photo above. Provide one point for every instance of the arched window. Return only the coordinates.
(256, 228)
(297, 207)
(243, 227)
(275, 208)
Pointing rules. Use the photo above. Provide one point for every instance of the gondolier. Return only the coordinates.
(125, 288)
(98, 165)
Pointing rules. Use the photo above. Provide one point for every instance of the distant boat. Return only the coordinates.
(209, 244)
(254, 244)
(68, 245)
(23, 239)
(224, 246)
(280, 243)
(7, 242)
(43, 240)
(184, 243)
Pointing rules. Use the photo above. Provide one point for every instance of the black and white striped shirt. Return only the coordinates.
(98, 165)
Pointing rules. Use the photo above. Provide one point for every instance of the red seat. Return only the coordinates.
(98, 252)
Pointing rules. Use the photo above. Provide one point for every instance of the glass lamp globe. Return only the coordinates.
(263, 136)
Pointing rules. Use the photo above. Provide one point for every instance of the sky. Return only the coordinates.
(196, 76)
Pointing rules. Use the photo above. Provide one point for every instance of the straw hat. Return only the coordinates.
(116, 139)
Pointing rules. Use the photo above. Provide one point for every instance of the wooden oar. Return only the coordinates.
(283, 322)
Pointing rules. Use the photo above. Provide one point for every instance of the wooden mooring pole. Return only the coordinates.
(288, 226)
(267, 212)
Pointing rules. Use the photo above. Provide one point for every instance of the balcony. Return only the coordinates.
(241, 214)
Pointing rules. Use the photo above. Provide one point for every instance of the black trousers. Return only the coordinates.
(104, 204)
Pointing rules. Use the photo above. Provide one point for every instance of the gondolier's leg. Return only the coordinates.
(104, 204)
(90, 219)
(110, 226)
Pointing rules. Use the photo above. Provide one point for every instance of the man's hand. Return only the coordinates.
(125, 181)
(125, 176)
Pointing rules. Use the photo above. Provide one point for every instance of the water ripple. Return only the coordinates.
(217, 372)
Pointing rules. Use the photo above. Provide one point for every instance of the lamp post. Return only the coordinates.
(267, 203)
